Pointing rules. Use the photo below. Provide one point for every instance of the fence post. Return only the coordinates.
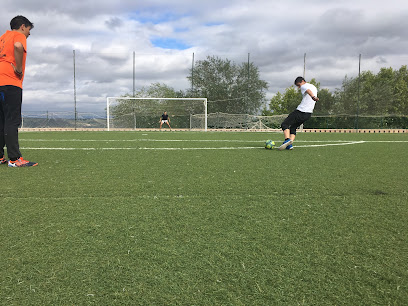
(358, 89)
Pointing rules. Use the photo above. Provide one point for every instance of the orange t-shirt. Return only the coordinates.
(7, 41)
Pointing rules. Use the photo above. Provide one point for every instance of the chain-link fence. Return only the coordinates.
(69, 89)
(63, 120)
(68, 120)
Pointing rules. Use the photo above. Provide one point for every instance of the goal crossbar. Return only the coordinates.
(204, 100)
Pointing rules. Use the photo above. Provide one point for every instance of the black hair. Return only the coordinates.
(18, 21)
(299, 80)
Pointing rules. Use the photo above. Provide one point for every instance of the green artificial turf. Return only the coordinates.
(117, 218)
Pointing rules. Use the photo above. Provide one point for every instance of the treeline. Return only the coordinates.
(382, 94)
(238, 89)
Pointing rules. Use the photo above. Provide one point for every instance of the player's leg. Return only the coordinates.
(12, 120)
(168, 123)
(286, 133)
(13, 97)
(300, 119)
(292, 136)
(286, 127)
(161, 123)
(292, 130)
(3, 160)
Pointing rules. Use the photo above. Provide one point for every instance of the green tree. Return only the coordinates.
(229, 87)
(384, 93)
(400, 92)
(290, 99)
(284, 103)
(326, 103)
(157, 90)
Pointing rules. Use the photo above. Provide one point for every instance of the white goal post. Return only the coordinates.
(123, 112)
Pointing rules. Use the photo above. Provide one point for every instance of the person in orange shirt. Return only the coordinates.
(13, 53)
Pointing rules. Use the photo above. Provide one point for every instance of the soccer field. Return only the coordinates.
(194, 218)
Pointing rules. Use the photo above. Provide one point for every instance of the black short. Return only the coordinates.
(294, 120)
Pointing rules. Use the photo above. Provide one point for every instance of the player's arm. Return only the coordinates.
(310, 93)
(18, 57)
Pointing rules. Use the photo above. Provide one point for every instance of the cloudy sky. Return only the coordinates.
(164, 34)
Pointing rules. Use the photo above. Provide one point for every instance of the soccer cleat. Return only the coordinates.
(3, 160)
(21, 163)
(285, 144)
(289, 147)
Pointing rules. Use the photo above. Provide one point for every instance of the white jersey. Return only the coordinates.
(307, 105)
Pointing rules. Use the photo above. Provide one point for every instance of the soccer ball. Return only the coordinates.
(269, 144)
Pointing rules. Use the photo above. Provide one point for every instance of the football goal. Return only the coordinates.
(145, 113)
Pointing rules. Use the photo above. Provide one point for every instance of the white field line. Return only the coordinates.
(136, 140)
(198, 140)
(330, 144)
(237, 148)
(139, 148)
(220, 148)
(175, 149)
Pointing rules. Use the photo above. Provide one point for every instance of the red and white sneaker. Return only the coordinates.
(21, 163)
(3, 160)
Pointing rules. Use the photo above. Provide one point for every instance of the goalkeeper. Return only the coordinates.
(165, 119)
(302, 113)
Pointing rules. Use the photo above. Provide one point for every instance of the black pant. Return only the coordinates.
(294, 120)
(11, 98)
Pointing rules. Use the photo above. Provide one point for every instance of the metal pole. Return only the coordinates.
(134, 59)
(107, 114)
(192, 74)
(75, 102)
(247, 97)
(205, 114)
(304, 74)
(304, 65)
(134, 118)
(358, 89)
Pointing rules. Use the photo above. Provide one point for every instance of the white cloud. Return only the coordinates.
(275, 33)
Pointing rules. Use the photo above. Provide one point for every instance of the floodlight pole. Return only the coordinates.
(75, 107)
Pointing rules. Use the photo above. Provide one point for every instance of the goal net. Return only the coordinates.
(237, 121)
(145, 113)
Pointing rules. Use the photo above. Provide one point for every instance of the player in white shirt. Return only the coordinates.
(302, 113)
